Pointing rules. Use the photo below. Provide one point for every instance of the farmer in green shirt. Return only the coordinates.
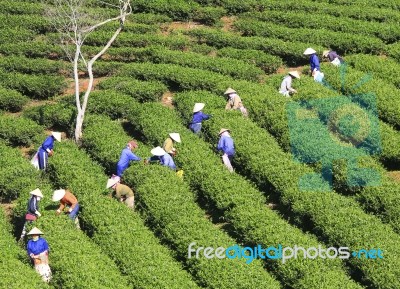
(122, 192)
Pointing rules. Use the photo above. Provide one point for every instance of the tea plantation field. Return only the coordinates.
(320, 169)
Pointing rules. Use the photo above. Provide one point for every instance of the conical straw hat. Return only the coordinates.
(35, 231)
(198, 107)
(294, 74)
(325, 53)
(111, 182)
(37, 192)
(58, 195)
(57, 135)
(223, 130)
(230, 90)
(309, 51)
(158, 151)
(175, 136)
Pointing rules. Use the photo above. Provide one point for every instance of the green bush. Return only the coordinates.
(239, 202)
(138, 40)
(60, 116)
(142, 91)
(60, 232)
(11, 100)
(20, 8)
(172, 219)
(297, 19)
(31, 66)
(385, 68)
(339, 41)
(113, 226)
(337, 219)
(18, 131)
(16, 34)
(266, 62)
(356, 85)
(291, 51)
(31, 49)
(34, 86)
(36, 23)
(11, 264)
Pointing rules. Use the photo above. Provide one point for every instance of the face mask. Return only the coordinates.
(38, 198)
(35, 238)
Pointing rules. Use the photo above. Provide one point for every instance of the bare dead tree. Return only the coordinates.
(74, 20)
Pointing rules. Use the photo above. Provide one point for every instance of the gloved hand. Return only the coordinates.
(58, 212)
(37, 213)
(51, 153)
(69, 210)
(146, 161)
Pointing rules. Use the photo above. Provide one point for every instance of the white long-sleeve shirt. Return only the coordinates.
(286, 84)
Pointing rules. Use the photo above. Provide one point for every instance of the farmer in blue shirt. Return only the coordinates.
(314, 60)
(226, 145)
(314, 64)
(126, 156)
(32, 210)
(198, 117)
(165, 159)
(38, 251)
(46, 149)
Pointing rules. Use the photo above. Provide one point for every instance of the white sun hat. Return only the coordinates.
(37, 192)
(294, 74)
(112, 182)
(35, 231)
(57, 135)
(309, 51)
(175, 136)
(223, 130)
(325, 53)
(198, 107)
(158, 151)
(229, 91)
(58, 195)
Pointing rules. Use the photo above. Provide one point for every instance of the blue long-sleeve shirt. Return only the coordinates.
(48, 144)
(33, 205)
(37, 247)
(165, 160)
(314, 62)
(199, 116)
(226, 145)
(126, 156)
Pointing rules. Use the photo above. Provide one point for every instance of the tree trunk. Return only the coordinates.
(78, 128)
(79, 119)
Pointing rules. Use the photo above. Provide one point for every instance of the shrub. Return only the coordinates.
(338, 219)
(11, 100)
(18, 131)
(146, 263)
(11, 264)
(31, 66)
(142, 91)
(60, 232)
(35, 86)
(171, 218)
(342, 42)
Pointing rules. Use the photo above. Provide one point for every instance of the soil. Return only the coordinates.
(228, 23)
(284, 69)
(167, 99)
(179, 25)
(8, 209)
(83, 85)
(395, 175)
